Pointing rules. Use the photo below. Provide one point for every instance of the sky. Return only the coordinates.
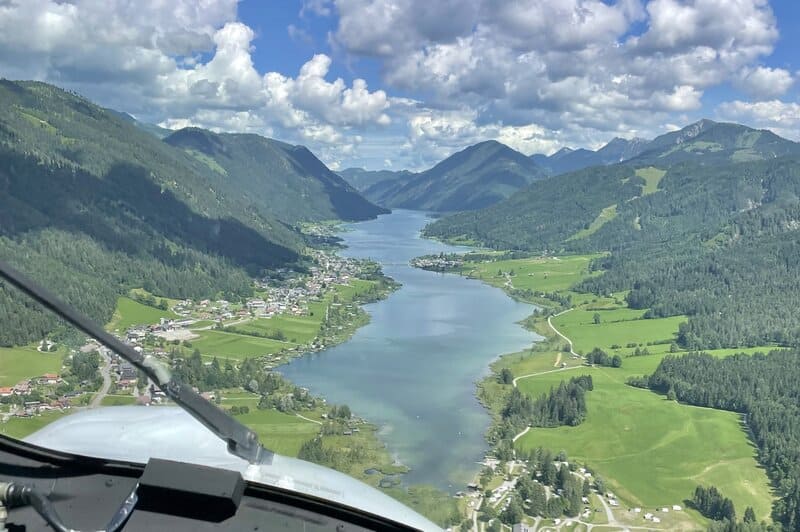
(401, 84)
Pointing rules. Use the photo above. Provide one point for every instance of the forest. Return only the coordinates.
(761, 387)
(562, 405)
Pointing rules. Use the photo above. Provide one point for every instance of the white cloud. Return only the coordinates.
(535, 74)
(764, 83)
(581, 68)
(783, 118)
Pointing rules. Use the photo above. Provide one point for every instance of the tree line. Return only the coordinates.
(764, 389)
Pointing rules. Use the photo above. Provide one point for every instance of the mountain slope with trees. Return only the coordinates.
(285, 181)
(92, 205)
(712, 240)
(473, 178)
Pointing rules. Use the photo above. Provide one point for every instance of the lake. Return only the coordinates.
(413, 369)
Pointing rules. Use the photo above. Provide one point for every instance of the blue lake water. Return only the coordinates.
(412, 370)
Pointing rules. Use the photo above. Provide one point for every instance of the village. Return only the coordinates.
(110, 380)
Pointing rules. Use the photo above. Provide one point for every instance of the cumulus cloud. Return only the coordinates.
(764, 83)
(781, 117)
(535, 74)
(183, 63)
(583, 68)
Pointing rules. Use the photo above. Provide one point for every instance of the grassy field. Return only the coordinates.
(540, 274)
(296, 329)
(18, 363)
(22, 427)
(631, 437)
(605, 216)
(223, 344)
(652, 177)
(619, 326)
(118, 400)
(130, 313)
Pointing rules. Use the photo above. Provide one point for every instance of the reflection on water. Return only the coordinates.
(413, 368)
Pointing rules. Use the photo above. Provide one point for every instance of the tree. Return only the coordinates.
(513, 512)
(596, 318)
(616, 361)
(749, 515)
(506, 376)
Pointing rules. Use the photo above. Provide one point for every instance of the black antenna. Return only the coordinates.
(241, 441)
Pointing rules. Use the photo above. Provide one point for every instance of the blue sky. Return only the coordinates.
(404, 83)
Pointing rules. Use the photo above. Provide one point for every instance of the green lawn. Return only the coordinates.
(619, 326)
(652, 177)
(19, 363)
(279, 432)
(652, 451)
(605, 216)
(236, 346)
(539, 274)
(297, 329)
(21, 427)
(130, 313)
(118, 400)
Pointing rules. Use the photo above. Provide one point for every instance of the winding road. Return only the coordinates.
(105, 372)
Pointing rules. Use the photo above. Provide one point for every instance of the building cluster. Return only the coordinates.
(437, 263)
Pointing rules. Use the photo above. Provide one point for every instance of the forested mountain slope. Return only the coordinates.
(285, 181)
(473, 178)
(92, 205)
(703, 235)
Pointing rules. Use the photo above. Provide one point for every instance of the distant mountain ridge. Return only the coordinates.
(472, 178)
(363, 179)
(662, 164)
(569, 160)
(286, 181)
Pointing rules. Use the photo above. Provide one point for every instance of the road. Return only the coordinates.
(514, 382)
(550, 323)
(307, 419)
(105, 372)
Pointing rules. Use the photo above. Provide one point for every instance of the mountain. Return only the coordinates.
(704, 223)
(569, 160)
(285, 181)
(619, 149)
(363, 179)
(153, 129)
(709, 142)
(473, 178)
(92, 205)
(701, 155)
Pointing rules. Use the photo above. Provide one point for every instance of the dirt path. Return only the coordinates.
(307, 419)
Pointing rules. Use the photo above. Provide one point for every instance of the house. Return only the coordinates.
(656, 519)
(520, 527)
(676, 507)
(648, 516)
(6, 391)
(49, 378)
(127, 372)
(22, 388)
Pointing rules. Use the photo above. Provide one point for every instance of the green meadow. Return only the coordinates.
(17, 427)
(247, 339)
(539, 274)
(279, 432)
(223, 344)
(130, 313)
(19, 363)
(651, 451)
(654, 452)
